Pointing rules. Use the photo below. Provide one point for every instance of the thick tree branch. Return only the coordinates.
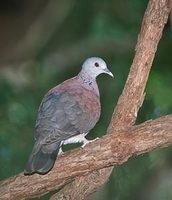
(112, 149)
(125, 113)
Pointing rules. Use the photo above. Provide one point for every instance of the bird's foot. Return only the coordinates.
(85, 141)
(60, 151)
(78, 139)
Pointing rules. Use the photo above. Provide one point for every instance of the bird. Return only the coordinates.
(66, 115)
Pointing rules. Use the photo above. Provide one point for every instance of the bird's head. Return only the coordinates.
(95, 66)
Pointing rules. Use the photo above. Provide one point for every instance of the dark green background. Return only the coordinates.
(108, 29)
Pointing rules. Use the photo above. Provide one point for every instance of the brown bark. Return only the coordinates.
(112, 149)
(125, 113)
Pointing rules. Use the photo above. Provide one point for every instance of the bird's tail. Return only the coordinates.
(42, 158)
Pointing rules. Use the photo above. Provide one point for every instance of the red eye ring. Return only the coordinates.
(96, 64)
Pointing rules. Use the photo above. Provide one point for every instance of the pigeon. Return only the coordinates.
(66, 114)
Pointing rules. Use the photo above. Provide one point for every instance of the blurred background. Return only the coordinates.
(42, 43)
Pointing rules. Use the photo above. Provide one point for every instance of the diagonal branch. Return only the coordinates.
(112, 149)
(125, 113)
(155, 17)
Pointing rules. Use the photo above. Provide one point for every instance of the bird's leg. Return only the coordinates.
(60, 151)
(78, 139)
(75, 139)
(88, 141)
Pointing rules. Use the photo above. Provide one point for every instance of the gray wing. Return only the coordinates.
(64, 114)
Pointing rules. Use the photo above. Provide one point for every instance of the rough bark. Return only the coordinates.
(125, 113)
(112, 149)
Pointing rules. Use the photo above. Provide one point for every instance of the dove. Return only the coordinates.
(66, 115)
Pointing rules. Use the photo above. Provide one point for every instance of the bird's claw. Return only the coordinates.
(85, 142)
(60, 151)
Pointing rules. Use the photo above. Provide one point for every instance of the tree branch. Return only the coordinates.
(154, 20)
(130, 101)
(112, 149)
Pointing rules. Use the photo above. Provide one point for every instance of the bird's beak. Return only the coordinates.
(107, 71)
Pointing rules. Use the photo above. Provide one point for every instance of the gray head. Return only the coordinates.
(95, 66)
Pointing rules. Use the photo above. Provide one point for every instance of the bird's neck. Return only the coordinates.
(88, 81)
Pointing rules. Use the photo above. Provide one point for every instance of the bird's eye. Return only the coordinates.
(96, 64)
